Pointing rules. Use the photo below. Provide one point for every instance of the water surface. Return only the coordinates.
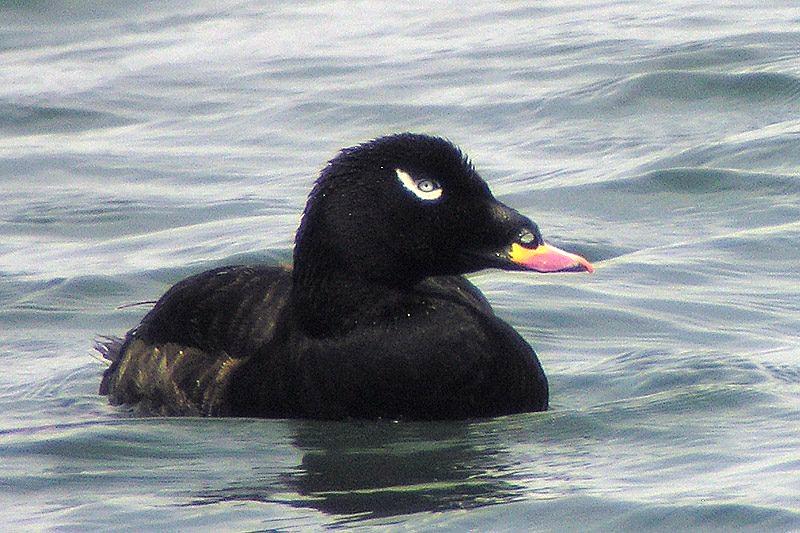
(146, 141)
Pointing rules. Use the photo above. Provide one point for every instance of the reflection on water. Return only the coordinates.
(363, 470)
(382, 469)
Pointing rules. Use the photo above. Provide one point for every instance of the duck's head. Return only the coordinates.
(407, 206)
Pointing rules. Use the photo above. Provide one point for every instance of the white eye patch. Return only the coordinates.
(424, 189)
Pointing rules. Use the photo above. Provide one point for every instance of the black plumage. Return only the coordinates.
(374, 320)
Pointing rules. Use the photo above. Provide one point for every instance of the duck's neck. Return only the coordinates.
(335, 304)
(328, 298)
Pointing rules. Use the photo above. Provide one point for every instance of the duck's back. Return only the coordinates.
(179, 360)
(222, 343)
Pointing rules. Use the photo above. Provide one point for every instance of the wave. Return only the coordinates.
(688, 85)
(770, 148)
(704, 181)
(16, 119)
(674, 91)
(614, 196)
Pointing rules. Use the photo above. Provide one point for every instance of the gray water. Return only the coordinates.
(141, 142)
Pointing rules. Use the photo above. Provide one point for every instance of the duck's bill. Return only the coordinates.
(546, 258)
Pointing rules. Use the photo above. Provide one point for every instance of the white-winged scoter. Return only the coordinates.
(374, 320)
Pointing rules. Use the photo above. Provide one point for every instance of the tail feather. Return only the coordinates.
(108, 347)
(111, 349)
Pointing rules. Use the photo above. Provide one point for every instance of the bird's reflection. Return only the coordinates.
(378, 469)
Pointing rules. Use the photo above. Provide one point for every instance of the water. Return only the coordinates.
(144, 141)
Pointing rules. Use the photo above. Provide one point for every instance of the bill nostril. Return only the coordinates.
(530, 237)
(527, 238)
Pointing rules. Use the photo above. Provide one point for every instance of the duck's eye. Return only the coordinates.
(424, 189)
(427, 185)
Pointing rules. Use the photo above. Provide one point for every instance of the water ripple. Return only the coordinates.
(38, 120)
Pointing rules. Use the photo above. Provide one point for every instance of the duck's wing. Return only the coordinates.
(178, 360)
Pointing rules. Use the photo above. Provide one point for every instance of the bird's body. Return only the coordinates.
(374, 320)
